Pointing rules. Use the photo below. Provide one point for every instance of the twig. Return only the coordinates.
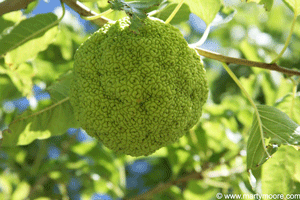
(249, 63)
(13, 5)
(163, 186)
(203, 174)
(82, 10)
(8, 6)
(39, 183)
(41, 111)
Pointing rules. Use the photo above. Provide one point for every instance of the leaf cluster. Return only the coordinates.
(44, 154)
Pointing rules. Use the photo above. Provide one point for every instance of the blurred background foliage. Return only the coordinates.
(75, 166)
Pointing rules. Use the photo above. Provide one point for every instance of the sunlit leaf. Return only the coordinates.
(181, 16)
(27, 30)
(56, 119)
(205, 9)
(199, 190)
(22, 191)
(280, 175)
(267, 3)
(31, 6)
(277, 127)
(22, 78)
(178, 158)
(31, 48)
(8, 90)
(5, 24)
(291, 105)
(294, 5)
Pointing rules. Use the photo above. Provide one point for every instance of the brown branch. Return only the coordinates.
(82, 10)
(13, 5)
(228, 60)
(192, 176)
(164, 186)
(38, 184)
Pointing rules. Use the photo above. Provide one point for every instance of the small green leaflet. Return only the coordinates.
(165, 11)
(31, 48)
(290, 104)
(278, 128)
(280, 175)
(53, 120)
(267, 3)
(136, 10)
(292, 4)
(27, 30)
(205, 9)
(5, 24)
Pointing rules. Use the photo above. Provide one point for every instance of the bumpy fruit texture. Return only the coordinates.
(137, 92)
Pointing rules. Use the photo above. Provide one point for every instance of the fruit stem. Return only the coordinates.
(290, 34)
(174, 12)
(202, 39)
(63, 11)
(236, 80)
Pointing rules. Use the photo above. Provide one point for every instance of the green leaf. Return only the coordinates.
(136, 10)
(5, 24)
(14, 16)
(277, 127)
(31, 48)
(291, 105)
(30, 7)
(65, 42)
(294, 5)
(8, 90)
(84, 147)
(106, 164)
(181, 16)
(27, 30)
(272, 90)
(199, 190)
(251, 84)
(267, 3)
(280, 175)
(201, 139)
(53, 120)
(178, 158)
(205, 9)
(22, 78)
(22, 191)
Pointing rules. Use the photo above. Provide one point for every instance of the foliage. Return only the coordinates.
(246, 142)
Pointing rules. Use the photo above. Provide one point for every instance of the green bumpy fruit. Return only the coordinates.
(137, 92)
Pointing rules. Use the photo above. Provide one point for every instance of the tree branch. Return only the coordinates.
(203, 174)
(82, 10)
(13, 5)
(249, 63)
(39, 183)
(164, 186)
